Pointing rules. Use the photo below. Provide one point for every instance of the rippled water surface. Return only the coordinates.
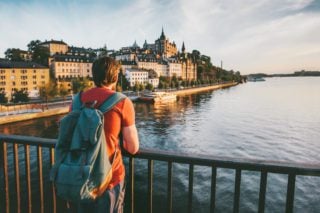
(278, 120)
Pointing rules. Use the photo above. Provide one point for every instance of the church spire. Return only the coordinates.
(183, 49)
(162, 34)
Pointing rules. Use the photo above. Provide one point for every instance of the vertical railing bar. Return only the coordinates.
(237, 191)
(54, 198)
(290, 192)
(39, 154)
(262, 193)
(213, 189)
(191, 168)
(6, 177)
(17, 175)
(150, 183)
(28, 179)
(169, 187)
(131, 178)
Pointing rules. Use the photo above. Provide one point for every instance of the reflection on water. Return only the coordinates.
(278, 119)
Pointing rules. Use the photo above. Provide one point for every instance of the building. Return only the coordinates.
(55, 47)
(65, 66)
(162, 57)
(27, 76)
(164, 47)
(137, 76)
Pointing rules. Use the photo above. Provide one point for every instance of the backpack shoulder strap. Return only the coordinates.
(111, 101)
(76, 103)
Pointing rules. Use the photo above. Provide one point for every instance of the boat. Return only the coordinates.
(158, 97)
(254, 79)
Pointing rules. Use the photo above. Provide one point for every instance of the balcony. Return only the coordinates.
(26, 161)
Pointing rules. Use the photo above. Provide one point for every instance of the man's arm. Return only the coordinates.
(130, 139)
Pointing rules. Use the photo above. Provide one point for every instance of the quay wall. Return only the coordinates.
(29, 116)
(64, 110)
(202, 89)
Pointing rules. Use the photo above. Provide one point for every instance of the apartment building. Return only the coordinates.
(27, 76)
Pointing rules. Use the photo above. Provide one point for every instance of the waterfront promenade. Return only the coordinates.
(64, 109)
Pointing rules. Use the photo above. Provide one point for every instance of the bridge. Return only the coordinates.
(23, 153)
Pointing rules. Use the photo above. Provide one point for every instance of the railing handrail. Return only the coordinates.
(196, 159)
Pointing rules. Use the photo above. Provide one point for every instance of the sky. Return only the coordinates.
(250, 36)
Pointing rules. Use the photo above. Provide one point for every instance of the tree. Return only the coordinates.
(20, 96)
(33, 45)
(122, 81)
(13, 54)
(136, 87)
(63, 91)
(40, 55)
(141, 87)
(80, 84)
(149, 87)
(3, 97)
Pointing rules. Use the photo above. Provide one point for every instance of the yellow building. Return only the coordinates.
(55, 47)
(26, 76)
(71, 66)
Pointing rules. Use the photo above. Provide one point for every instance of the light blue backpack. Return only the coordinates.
(82, 170)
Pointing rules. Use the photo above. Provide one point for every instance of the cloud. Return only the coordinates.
(248, 35)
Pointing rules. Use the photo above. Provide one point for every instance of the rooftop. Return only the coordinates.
(19, 64)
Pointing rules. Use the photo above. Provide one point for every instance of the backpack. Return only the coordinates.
(82, 169)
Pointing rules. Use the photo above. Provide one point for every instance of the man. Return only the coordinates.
(120, 119)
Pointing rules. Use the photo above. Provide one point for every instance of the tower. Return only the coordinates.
(183, 49)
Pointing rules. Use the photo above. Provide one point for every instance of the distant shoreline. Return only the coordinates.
(65, 109)
(295, 74)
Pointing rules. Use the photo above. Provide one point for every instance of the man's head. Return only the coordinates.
(105, 71)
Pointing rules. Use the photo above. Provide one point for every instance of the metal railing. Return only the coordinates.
(39, 144)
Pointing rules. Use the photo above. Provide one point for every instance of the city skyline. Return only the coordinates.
(269, 36)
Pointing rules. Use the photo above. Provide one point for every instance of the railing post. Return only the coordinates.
(290, 192)
(237, 191)
(169, 187)
(131, 178)
(28, 178)
(39, 155)
(150, 185)
(6, 177)
(262, 193)
(17, 175)
(191, 168)
(213, 189)
(54, 197)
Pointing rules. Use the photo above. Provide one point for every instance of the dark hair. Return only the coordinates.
(105, 71)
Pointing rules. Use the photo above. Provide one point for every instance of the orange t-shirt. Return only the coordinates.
(121, 115)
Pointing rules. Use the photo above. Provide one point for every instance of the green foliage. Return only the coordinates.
(20, 96)
(63, 90)
(3, 97)
(149, 87)
(40, 55)
(136, 87)
(80, 84)
(123, 82)
(50, 90)
(141, 87)
(33, 45)
(13, 54)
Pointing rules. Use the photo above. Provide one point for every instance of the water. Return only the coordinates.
(278, 119)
